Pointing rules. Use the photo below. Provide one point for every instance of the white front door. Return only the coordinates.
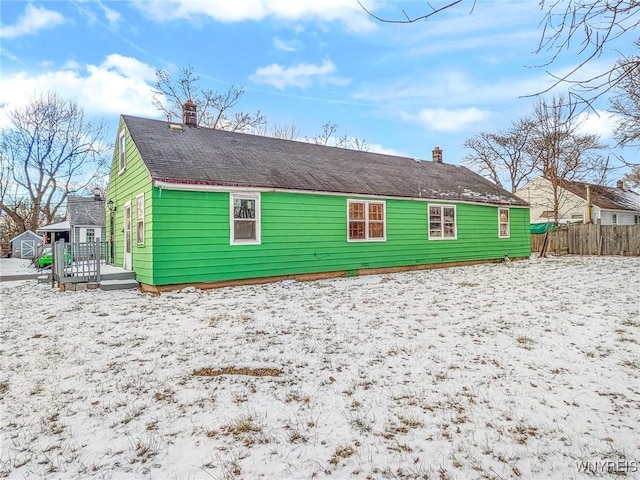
(127, 236)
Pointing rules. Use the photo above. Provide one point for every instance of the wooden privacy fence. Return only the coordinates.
(591, 239)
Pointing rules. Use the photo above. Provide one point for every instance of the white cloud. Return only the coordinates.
(118, 85)
(300, 75)
(32, 20)
(286, 46)
(598, 123)
(112, 16)
(347, 12)
(448, 120)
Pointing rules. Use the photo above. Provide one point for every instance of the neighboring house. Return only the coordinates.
(26, 245)
(608, 205)
(84, 221)
(196, 205)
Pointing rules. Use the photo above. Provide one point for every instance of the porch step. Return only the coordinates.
(123, 284)
(124, 275)
(45, 278)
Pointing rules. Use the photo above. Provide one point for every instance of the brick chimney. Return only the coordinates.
(189, 115)
(97, 193)
(437, 155)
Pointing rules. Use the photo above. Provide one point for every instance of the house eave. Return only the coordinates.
(195, 186)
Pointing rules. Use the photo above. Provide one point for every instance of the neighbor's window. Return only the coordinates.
(245, 218)
(614, 219)
(366, 220)
(76, 234)
(140, 219)
(636, 219)
(90, 235)
(503, 220)
(442, 222)
(122, 152)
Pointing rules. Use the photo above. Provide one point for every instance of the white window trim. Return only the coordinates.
(144, 223)
(366, 221)
(122, 153)
(636, 219)
(508, 235)
(442, 206)
(245, 196)
(614, 219)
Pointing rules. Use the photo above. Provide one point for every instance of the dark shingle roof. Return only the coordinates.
(85, 211)
(216, 157)
(608, 198)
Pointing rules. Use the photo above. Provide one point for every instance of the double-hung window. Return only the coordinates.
(366, 221)
(442, 222)
(503, 223)
(245, 218)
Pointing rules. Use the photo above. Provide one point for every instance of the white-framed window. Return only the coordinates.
(636, 219)
(442, 222)
(245, 218)
(504, 230)
(140, 219)
(614, 219)
(90, 235)
(122, 153)
(366, 221)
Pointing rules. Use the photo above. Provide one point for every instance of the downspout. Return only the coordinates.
(588, 219)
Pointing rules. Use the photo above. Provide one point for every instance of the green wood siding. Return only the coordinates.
(306, 233)
(125, 187)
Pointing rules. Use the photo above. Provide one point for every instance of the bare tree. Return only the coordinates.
(592, 25)
(626, 101)
(329, 136)
(633, 178)
(561, 151)
(215, 110)
(431, 11)
(48, 150)
(503, 155)
(287, 132)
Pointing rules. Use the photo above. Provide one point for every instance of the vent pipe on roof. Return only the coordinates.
(437, 155)
(189, 115)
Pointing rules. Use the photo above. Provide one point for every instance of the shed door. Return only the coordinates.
(127, 236)
(27, 248)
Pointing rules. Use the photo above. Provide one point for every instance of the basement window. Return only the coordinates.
(503, 223)
(442, 222)
(245, 218)
(366, 221)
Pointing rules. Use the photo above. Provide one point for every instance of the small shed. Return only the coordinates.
(26, 245)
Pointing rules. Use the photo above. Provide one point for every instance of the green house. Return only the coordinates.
(191, 205)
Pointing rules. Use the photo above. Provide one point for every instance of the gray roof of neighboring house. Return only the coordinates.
(85, 211)
(607, 198)
(196, 155)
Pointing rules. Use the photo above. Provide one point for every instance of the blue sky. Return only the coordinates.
(402, 88)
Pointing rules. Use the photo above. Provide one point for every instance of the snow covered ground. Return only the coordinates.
(513, 370)
(16, 266)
